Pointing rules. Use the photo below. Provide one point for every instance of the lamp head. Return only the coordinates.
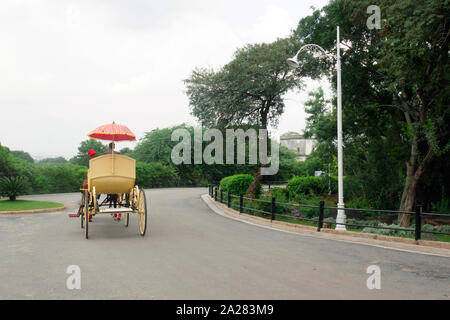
(292, 62)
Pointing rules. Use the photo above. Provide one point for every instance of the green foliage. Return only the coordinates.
(127, 152)
(156, 145)
(62, 177)
(441, 228)
(22, 155)
(389, 78)
(280, 194)
(82, 157)
(387, 232)
(13, 186)
(287, 163)
(150, 175)
(300, 186)
(56, 160)
(5, 161)
(442, 206)
(249, 88)
(236, 184)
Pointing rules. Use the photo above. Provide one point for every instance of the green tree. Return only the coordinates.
(155, 175)
(55, 160)
(82, 157)
(22, 155)
(127, 152)
(5, 161)
(247, 90)
(13, 186)
(394, 87)
(156, 145)
(63, 177)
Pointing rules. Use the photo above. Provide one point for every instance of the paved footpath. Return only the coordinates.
(193, 253)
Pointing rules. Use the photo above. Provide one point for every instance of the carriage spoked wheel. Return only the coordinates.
(142, 212)
(82, 217)
(83, 196)
(81, 210)
(86, 212)
(126, 219)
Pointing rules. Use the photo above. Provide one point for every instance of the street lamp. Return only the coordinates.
(293, 62)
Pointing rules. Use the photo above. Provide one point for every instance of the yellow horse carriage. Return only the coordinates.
(113, 175)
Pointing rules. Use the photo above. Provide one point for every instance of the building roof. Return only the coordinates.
(294, 136)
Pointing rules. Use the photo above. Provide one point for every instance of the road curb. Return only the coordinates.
(44, 210)
(395, 243)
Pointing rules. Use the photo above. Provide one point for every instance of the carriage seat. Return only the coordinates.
(111, 174)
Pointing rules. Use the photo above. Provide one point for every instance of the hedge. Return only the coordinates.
(300, 186)
(150, 175)
(237, 184)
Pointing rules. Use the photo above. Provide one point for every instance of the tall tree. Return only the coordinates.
(395, 80)
(416, 52)
(53, 160)
(82, 157)
(249, 89)
(22, 155)
(5, 161)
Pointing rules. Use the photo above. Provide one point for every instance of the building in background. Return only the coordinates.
(297, 143)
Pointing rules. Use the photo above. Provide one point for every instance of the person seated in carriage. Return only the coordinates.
(111, 150)
(112, 198)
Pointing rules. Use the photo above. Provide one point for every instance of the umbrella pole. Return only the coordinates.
(112, 151)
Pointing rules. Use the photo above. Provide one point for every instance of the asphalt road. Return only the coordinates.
(192, 253)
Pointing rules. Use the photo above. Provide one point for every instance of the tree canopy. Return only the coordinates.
(250, 88)
(395, 91)
(82, 157)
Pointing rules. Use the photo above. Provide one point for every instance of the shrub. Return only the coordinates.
(13, 186)
(300, 186)
(155, 174)
(280, 194)
(58, 178)
(237, 184)
(388, 232)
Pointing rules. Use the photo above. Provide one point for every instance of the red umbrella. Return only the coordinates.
(112, 132)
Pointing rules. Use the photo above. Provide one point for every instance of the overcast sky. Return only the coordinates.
(67, 67)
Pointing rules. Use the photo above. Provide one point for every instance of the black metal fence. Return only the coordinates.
(418, 215)
(176, 184)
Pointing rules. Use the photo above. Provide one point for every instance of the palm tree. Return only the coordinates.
(12, 187)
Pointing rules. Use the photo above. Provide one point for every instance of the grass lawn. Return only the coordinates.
(18, 205)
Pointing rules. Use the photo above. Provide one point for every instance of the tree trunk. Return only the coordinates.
(12, 198)
(412, 178)
(254, 186)
(413, 172)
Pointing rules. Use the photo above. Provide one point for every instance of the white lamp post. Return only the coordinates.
(293, 62)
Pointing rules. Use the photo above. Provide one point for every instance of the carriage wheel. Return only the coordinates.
(127, 219)
(82, 211)
(86, 212)
(94, 200)
(142, 212)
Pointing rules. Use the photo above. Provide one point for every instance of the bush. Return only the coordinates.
(155, 174)
(388, 232)
(13, 186)
(280, 194)
(58, 178)
(237, 184)
(301, 186)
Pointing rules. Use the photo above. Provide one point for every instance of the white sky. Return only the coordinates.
(67, 67)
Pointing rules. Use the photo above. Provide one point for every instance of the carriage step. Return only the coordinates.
(115, 210)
